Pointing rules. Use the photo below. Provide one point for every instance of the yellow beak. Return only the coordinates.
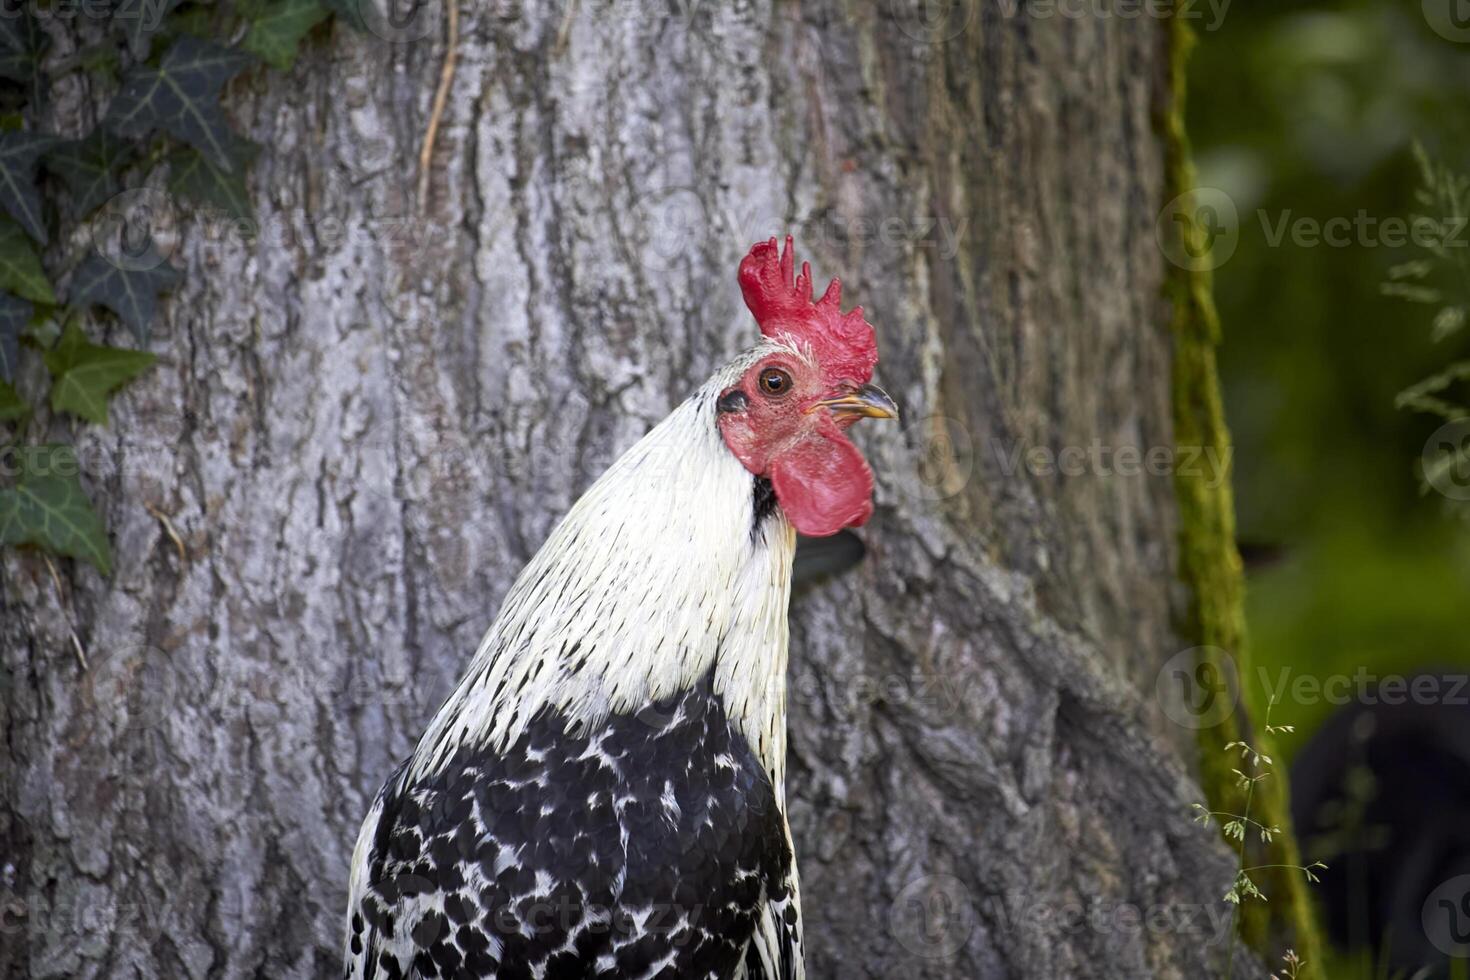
(869, 402)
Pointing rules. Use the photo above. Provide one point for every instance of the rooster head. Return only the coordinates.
(786, 419)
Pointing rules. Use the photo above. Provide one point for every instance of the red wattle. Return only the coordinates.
(823, 483)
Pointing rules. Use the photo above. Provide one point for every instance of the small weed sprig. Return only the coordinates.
(1256, 766)
(1291, 966)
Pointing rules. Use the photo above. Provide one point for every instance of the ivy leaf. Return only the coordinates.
(181, 97)
(277, 27)
(83, 373)
(15, 313)
(22, 43)
(18, 195)
(90, 168)
(130, 291)
(349, 11)
(47, 508)
(138, 21)
(12, 406)
(193, 176)
(20, 267)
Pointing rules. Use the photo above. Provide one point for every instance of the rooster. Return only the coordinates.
(603, 794)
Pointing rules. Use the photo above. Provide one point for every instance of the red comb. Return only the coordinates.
(843, 342)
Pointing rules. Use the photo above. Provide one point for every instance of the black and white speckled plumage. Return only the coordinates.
(602, 796)
(642, 849)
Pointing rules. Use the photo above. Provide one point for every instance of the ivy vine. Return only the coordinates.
(165, 63)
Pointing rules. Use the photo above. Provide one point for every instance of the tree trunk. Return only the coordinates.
(371, 409)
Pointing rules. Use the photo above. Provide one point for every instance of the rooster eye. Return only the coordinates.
(775, 381)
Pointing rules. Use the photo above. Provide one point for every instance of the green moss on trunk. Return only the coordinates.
(1210, 565)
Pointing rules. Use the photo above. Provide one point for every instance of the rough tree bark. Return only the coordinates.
(371, 409)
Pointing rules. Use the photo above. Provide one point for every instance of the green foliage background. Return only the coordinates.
(1311, 110)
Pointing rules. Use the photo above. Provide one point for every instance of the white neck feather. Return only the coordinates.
(651, 580)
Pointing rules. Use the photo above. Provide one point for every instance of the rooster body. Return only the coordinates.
(603, 793)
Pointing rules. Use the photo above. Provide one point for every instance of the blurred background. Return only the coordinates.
(1303, 113)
